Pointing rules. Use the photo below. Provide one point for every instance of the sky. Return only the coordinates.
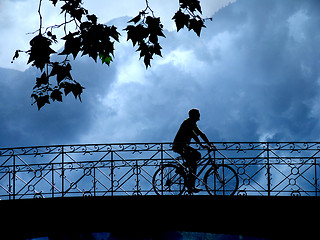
(253, 73)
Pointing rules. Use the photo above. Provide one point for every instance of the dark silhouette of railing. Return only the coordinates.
(263, 168)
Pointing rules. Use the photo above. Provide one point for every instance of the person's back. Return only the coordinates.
(184, 135)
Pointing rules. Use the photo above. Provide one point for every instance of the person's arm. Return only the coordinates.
(197, 132)
(195, 137)
(209, 145)
(204, 137)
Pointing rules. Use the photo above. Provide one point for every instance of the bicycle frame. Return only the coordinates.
(207, 159)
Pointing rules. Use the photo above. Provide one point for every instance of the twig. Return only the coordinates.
(40, 16)
(54, 26)
(148, 7)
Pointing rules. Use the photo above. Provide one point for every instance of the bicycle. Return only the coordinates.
(219, 179)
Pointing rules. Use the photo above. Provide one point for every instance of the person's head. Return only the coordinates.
(194, 114)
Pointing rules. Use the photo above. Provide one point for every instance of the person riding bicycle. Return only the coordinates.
(181, 145)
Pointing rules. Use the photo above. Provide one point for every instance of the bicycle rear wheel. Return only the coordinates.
(222, 180)
(167, 180)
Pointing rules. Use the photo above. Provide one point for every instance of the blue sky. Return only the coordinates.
(254, 75)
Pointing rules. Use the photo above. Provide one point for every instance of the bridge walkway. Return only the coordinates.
(144, 216)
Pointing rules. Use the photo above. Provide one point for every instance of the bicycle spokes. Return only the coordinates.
(222, 180)
(168, 181)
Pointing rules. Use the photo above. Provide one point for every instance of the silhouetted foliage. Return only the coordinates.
(97, 41)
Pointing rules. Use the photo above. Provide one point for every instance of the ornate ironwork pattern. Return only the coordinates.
(263, 168)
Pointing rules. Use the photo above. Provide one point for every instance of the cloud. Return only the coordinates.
(254, 75)
(15, 22)
(60, 123)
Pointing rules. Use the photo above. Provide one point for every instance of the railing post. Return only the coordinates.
(161, 164)
(214, 161)
(62, 171)
(112, 169)
(14, 178)
(315, 176)
(52, 180)
(94, 181)
(268, 171)
(136, 167)
(9, 180)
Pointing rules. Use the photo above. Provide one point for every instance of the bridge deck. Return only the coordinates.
(271, 217)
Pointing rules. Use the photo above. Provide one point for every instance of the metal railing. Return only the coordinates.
(263, 168)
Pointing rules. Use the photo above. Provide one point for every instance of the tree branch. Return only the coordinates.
(148, 7)
(40, 16)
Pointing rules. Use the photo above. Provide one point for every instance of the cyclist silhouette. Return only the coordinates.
(186, 132)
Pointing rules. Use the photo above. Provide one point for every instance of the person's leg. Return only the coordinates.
(192, 157)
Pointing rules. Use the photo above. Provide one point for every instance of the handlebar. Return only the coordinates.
(213, 148)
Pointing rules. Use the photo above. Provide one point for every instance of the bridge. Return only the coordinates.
(95, 180)
(263, 169)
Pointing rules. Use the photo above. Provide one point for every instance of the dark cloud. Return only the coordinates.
(271, 74)
(254, 74)
(23, 124)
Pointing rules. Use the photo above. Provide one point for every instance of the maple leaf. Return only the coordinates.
(196, 26)
(105, 59)
(146, 52)
(181, 19)
(56, 94)
(41, 100)
(154, 26)
(74, 8)
(72, 44)
(40, 51)
(136, 33)
(44, 79)
(114, 33)
(147, 59)
(75, 88)
(192, 5)
(136, 19)
(95, 40)
(157, 49)
(62, 72)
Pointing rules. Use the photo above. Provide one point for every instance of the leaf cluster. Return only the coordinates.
(39, 53)
(188, 16)
(96, 40)
(44, 91)
(90, 38)
(145, 32)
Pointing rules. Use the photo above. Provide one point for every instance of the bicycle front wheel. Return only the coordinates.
(167, 180)
(222, 180)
